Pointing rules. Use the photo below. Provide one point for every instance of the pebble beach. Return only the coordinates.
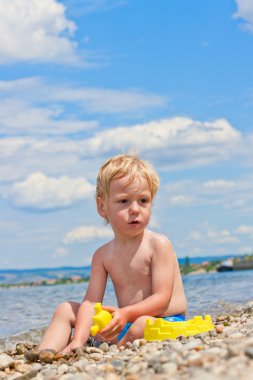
(223, 353)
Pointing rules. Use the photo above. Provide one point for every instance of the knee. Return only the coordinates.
(137, 328)
(63, 310)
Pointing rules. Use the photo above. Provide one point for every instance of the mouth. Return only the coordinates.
(134, 222)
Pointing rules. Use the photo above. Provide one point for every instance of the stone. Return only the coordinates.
(118, 364)
(81, 364)
(236, 335)
(5, 361)
(136, 343)
(62, 369)
(28, 375)
(21, 367)
(32, 355)
(249, 352)
(142, 342)
(113, 348)
(93, 350)
(21, 348)
(29, 345)
(169, 368)
(221, 318)
(49, 373)
(36, 366)
(96, 356)
(219, 329)
(192, 344)
(47, 356)
(104, 347)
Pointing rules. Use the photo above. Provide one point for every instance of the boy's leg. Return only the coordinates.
(136, 331)
(59, 331)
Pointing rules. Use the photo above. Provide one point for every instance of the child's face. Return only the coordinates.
(128, 206)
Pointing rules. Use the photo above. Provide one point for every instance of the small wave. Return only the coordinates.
(33, 336)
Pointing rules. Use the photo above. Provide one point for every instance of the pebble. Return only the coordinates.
(219, 329)
(47, 356)
(5, 361)
(104, 347)
(249, 352)
(225, 353)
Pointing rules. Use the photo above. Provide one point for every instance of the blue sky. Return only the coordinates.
(82, 80)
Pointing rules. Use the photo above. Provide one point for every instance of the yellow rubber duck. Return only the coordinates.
(100, 319)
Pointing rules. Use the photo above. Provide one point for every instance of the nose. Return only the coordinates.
(134, 207)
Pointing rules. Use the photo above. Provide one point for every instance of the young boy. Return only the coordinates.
(141, 264)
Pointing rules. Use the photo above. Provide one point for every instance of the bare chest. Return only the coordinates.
(129, 270)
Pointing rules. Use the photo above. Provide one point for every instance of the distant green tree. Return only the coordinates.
(187, 261)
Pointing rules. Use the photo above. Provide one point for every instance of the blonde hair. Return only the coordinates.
(125, 165)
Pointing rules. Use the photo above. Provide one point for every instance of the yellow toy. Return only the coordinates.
(100, 319)
(160, 329)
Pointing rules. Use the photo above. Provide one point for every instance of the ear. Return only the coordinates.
(101, 207)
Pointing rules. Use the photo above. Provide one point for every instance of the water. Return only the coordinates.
(29, 309)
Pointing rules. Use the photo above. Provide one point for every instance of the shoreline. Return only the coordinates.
(224, 353)
(58, 277)
(70, 280)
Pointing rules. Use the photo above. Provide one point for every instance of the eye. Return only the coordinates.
(143, 200)
(124, 201)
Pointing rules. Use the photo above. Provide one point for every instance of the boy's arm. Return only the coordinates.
(94, 293)
(163, 274)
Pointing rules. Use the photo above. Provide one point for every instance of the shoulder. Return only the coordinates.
(100, 253)
(159, 243)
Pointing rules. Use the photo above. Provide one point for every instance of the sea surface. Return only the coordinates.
(26, 311)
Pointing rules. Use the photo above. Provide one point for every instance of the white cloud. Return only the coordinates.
(181, 200)
(101, 100)
(24, 97)
(177, 137)
(86, 233)
(19, 117)
(245, 249)
(245, 11)
(195, 235)
(221, 237)
(43, 193)
(10, 146)
(61, 252)
(213, 237)
(245, 230)
(88, 6)
(35, 30)
(219, 184)
(170, 143)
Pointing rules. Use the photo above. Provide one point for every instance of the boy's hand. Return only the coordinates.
(114, 328)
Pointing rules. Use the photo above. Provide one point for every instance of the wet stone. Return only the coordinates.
(29, 345)
(47, 356)
(21, 348)
(32, 355)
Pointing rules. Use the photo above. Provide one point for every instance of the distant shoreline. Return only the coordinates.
(50, 282)
(75, 275)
